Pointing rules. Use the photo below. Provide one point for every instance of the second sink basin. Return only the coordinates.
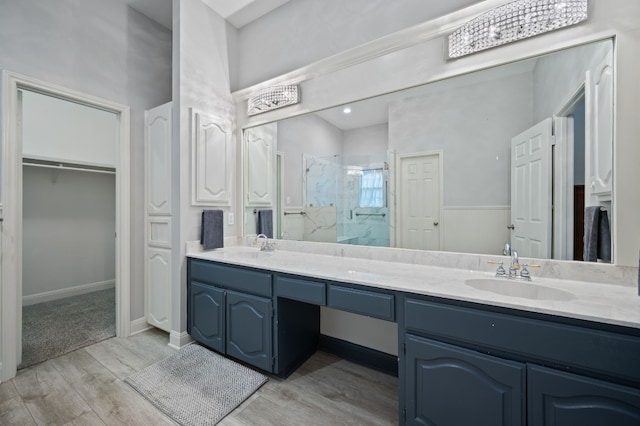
(520, 289)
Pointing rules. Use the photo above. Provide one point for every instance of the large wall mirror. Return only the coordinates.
(511, 154)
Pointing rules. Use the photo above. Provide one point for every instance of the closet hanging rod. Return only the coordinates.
(63, 167)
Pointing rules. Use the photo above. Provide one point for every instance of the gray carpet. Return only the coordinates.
(196, 386)
(51, 329)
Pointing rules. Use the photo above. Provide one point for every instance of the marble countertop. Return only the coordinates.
(605, 303)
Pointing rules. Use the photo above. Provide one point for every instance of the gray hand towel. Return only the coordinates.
(212, 229)
(604, 237)
(597, 235)
(265, 222)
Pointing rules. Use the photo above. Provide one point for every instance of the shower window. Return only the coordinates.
(372, 188)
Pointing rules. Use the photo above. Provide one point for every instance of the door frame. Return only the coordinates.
(11, 203)
(398, 190)
(563, 170)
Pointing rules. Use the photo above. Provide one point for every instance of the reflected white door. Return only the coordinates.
(531, 191)
(420, 202)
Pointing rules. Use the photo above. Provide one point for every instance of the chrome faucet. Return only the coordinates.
(515, 264)
(514, 267)
(266, 245)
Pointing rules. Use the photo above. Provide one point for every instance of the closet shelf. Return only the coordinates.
(67, 166)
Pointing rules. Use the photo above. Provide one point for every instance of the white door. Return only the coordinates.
(531, 191)
(599, 132)
(420, 202)
(158, 212)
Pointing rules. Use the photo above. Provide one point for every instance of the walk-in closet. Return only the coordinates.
(69, 223)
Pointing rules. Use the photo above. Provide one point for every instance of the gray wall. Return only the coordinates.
(473, 126)
(557, 77)
(369, 143)
(303, 31)
(307, 134)
(69, 225)
(103, 48)
(203, 83)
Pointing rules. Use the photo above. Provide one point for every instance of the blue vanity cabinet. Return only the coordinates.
(449, 385)
(206, 322)
(229, 309)
(249, 329)
(465, 361)
(557, 398)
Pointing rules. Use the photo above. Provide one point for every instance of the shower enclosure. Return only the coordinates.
(346, 200)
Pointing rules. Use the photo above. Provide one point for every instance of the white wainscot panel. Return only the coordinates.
(158, 277)
(476, 229)
(212, 160)
(293, 223)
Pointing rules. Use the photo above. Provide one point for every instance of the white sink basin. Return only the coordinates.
(513, 288)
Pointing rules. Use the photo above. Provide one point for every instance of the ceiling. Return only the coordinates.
(237, 12)
(375, 110)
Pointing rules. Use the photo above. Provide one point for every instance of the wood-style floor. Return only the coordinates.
(86, 387)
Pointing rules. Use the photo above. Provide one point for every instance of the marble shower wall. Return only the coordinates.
(332, 211)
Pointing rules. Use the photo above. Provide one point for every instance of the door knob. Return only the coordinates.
(435, 223)
(512, 227)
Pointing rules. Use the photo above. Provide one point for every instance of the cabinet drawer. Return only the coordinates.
(603, 352)
(231, 277)
(301, 290)
(364, 302)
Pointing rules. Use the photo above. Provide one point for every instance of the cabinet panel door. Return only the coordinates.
(557, 398)
(212, 160)
(158, 160)
(158, 283)
(249, 329)
(447, 385)
(259, 154)
(206, 315)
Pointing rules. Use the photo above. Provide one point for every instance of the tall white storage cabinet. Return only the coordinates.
(158, 211)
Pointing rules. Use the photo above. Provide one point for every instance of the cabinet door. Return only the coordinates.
(446, 385)
(212, 160)
(158, 160)
(260, 158)
(562, 399)
(599, 136)
(158, 281)
(206, 315)
(249, 329)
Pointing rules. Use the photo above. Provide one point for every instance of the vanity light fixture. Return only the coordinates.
(514, 21)
(273, 98)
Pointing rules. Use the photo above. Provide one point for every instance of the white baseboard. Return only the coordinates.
(139, 325)
(67, 292)
(178, 340)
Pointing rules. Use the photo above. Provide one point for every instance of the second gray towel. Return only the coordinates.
(597, 235)
(212, 229)
(265, 222)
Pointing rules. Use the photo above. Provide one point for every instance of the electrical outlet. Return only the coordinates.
(231, 219)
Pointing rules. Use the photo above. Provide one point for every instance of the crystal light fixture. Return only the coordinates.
(514, 21)
(273, 98)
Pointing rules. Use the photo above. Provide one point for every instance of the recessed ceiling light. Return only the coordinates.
(347, 110)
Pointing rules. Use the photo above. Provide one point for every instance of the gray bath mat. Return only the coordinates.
(195, 386)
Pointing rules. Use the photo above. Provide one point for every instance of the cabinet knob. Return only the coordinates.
(511, 226)
(436, 223)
